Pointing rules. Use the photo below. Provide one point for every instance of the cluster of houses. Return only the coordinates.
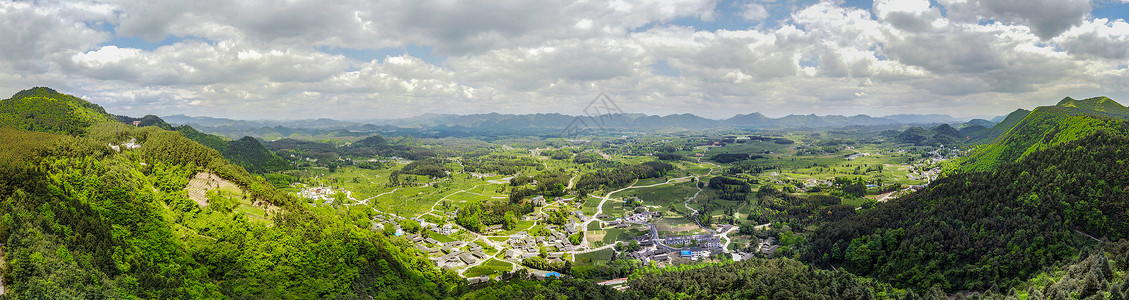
(523, 246)
(323, 193)
(455, 254)
(857, 155)
(642, 217)
(664, 255)
(702, 241)
(768, 246)
(928, 175)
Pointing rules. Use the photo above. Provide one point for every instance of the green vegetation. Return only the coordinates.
(1042, 128)
(83, 221)
(43, 109)
(778, 278)
(852, 213)
(246, 152)
(489, 268)
(976, 230)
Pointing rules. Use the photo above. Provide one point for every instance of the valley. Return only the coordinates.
(889, 211)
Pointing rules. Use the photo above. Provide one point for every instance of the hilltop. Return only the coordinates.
(1046, 190)
(1046, 126)
(43, 109)
(82, 219)
(1099, 104)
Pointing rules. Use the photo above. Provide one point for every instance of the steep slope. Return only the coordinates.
(1099, 104)
(80, 220)
(44, 109)
(997, 130)
(1044, 127)
(246, 152)
(972, 231)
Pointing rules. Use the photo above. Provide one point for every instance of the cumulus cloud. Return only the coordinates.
(754, 12)
(264, 59)
(1046, 18)
(31, 33)
(1102, 38)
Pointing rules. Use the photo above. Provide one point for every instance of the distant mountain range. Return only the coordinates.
(498, 121)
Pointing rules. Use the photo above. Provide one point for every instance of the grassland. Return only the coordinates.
(490, 267)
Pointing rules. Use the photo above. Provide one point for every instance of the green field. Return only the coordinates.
(595, 258)
(489, 268)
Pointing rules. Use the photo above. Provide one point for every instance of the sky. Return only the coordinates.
(363, 59)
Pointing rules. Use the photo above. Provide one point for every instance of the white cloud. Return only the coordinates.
(754, 12)
(1046, 18)
(1099, 38)
(260, 59)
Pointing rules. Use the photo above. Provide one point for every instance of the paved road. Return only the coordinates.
(445, 198)
(600, 210)
(725, 235)
(479, 262)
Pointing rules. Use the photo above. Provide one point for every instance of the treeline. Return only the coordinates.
(725, 158)
(246, 152)
(476, 216)
(757, 278)
(780, 207)
(498, 164)
(941, 135)
(523, 285)
(729, 188)
(549, 184)
(431, 167)
(541, 263)
(325, 154)
(972, 231)
(621, 176)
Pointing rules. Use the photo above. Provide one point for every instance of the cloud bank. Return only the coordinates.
(392, 59)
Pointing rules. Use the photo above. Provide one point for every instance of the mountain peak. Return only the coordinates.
(35, 91)
(44, 109)
(1101, 104)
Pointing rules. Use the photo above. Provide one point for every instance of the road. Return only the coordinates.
(725, 236)
(479, 262)
(600, 210)
(445, 198)
(698, 184)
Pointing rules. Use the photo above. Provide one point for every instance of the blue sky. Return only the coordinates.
(353, 59)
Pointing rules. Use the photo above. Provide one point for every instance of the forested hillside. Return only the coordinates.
(247, 152)
(80, 220)
(1042, 128)
(993, 228)
(44, 109)
(992, 133)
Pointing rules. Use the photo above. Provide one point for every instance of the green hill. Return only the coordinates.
(997, 228)
(989, 135)
(1042, 128)
(247, 152)
(79, 220)
(43, 109)
(1100, 104)
(1004, 212)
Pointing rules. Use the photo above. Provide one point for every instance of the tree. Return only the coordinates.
(510, 221)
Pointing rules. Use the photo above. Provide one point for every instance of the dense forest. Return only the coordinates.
(621, 176)
(246, 152)
(995, 228)
(1042, 128)
(83, 221)
(44, 109)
